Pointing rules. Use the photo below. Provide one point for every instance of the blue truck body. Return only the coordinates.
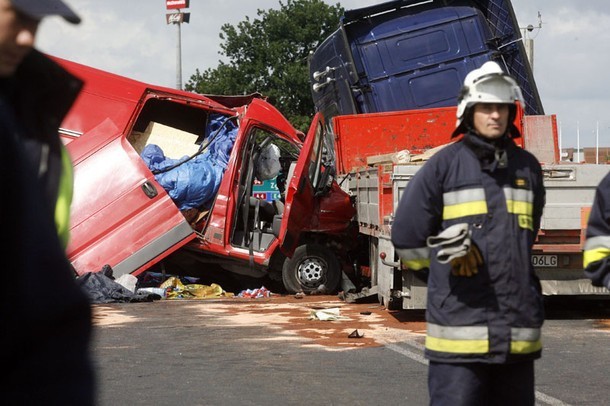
(407, 54)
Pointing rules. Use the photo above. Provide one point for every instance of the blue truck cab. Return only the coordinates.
(408, 54)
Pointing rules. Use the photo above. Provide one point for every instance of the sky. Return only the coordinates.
(131, 38)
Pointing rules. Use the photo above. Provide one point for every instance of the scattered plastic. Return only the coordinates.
(327, 314)
(175, 289)
(255, 293)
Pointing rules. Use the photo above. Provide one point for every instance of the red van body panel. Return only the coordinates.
(123, 217)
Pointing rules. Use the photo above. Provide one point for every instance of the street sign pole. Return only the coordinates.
(177, 18)
(179, 59)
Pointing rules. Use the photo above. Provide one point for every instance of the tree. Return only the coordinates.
(269, 55)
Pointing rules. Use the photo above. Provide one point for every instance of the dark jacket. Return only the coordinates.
(43, 93)
(44, 344)
(495, 315)
(596, 256)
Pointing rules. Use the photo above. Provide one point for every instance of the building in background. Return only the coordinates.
(587, 155)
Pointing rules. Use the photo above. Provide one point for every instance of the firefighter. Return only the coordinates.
(596, 256)
(46, 317)
(469, 218)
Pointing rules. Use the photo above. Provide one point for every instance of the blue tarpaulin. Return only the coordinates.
(194, 181)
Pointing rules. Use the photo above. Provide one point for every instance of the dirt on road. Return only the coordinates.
(324, 321)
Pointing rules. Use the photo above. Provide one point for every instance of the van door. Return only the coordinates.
(121, 216)
(308, 176)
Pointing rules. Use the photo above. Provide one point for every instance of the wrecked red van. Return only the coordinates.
(164, 176)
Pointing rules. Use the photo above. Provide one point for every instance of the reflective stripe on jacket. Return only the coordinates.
(475, 339)
(494, 316)
(64, 198)
(596, 255)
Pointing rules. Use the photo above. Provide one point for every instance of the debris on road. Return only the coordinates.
(175, 289)
(327, 314)
(255, 293)
(355, 334)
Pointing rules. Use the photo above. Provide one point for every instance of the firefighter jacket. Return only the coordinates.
(596, 256)
(43, 92)
(494, 316)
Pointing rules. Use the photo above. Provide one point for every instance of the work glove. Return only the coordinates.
(456, 247)
(467, 265)
(452, 242)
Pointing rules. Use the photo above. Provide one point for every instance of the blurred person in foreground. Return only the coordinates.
(46, 318)
(469, 217)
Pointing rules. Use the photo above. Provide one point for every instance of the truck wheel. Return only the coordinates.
(312, 269)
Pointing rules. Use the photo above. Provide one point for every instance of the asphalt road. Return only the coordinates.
(280, 350)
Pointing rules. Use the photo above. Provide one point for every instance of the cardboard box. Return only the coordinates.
(174, 143)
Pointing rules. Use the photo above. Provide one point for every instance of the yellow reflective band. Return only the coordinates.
(596, 254)
(519, 207)
(464, 209)
(457, 346)
(520, 202)
(416, 265)
(64, 198)
(525, 347)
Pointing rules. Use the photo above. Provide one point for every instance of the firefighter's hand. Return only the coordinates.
(467, 265)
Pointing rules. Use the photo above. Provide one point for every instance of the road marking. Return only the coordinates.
(416, 356)
(407, 353)
(549, 400)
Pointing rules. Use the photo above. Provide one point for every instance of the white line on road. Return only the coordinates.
(549, 400)
(407, 353)
(416, 356)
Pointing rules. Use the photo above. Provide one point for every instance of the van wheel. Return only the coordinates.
(312, 269)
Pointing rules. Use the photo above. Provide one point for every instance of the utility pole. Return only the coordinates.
(178, 18)
(529, 42)
(597, 143)
(578, 141)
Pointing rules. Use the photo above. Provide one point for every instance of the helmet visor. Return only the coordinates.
(495, 88)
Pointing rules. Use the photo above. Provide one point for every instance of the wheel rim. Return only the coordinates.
(312, 272)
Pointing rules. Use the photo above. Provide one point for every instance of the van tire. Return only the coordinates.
(313, 269)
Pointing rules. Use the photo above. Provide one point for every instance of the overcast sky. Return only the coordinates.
(131, 38)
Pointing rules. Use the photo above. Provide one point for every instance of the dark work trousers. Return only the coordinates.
(479, 384)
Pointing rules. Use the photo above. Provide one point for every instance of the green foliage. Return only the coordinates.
(269, 54)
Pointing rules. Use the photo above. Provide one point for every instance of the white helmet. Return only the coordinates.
(487, 84)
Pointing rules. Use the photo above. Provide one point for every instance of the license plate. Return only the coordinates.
(544, 261)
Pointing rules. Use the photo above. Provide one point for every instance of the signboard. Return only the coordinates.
(176, 4)
(177, 18)
(266, 190)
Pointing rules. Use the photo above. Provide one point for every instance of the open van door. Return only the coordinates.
(304, 181)
(121, 216)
